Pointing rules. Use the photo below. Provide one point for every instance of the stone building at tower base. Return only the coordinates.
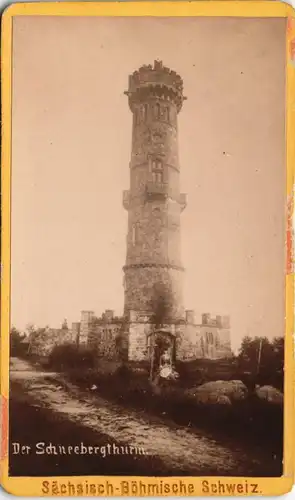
(130, 337)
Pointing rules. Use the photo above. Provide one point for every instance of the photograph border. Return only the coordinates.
(29, 486)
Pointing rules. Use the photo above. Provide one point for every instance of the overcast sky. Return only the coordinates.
(71, 151)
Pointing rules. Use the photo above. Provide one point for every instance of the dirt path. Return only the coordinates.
(180, 449)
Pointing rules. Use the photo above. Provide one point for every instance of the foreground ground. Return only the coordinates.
(43, 410)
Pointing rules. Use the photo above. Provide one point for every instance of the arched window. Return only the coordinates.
(156, 164)
(167, 117)
(159, 177)
(137, 113)
(145, 110)
(209, 337)
(140, 114)
(157, 110)
(134, 234)
(157, 170)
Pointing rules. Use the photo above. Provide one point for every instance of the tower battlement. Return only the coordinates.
(218, 321)
(156, 81)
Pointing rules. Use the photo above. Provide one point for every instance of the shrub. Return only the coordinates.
(69, 356)
(246, 418)
(18, 346)
(263, 359)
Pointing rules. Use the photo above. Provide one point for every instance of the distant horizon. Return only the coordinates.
(71, 147)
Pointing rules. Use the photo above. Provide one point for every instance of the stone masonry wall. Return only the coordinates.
(140, 285)
(138, 341)
(192, 341)
(86, 319)
(153, 133)
(103, 338)
(154, 233)
(153, 202)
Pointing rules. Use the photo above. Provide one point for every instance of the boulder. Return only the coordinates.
(219, 392)
(270, 394)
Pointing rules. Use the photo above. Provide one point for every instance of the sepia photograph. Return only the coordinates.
(148, 247)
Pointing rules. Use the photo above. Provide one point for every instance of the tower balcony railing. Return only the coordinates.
(157, 188)
(163, 189)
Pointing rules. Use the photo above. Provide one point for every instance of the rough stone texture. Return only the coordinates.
(216, 336)
(154, 202)
(76, 332)
(86, 320)
(103, 338)
(140, 285)
(138, 341)
(129, 337)
(192, 340)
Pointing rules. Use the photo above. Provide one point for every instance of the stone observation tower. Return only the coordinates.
(154, 202)
(153, 269)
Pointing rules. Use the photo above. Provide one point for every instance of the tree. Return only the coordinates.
(262, 359)
(16, 339)
(69, 357)
(278, 361)
(30, 329)
(250, 353)
(37, 339)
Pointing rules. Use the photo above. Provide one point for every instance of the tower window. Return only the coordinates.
(157, 110)
(143, 112)
(134, 234)
(209, 337)
(157, 171)
(157, 165)
(167, 114)
(157, 177)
